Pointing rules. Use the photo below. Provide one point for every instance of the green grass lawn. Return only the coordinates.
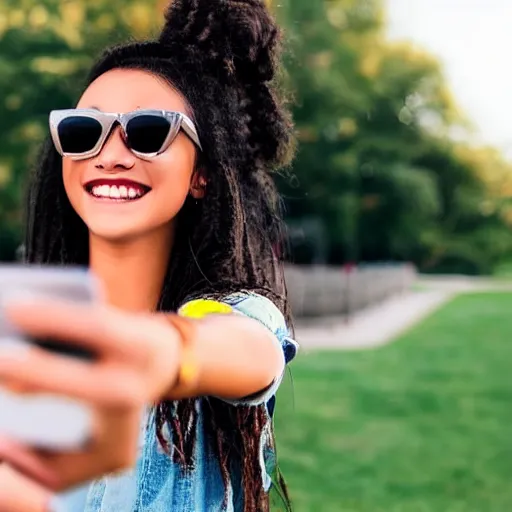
(421, 425)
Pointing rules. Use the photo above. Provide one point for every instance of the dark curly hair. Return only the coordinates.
(223, 56)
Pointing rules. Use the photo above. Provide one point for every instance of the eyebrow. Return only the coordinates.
(88, 108)
(93, 107)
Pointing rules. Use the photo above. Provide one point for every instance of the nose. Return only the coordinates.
(115, 155)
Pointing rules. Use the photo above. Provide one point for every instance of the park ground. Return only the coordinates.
(419, 424)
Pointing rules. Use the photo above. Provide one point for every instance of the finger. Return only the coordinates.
(104, 331)
(38, 371)
(21, 494)
(27, 463)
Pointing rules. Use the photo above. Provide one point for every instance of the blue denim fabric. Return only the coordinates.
(158, 484)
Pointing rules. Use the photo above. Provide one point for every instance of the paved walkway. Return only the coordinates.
(382, 323)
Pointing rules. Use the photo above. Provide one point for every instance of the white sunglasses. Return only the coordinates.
(82, 133)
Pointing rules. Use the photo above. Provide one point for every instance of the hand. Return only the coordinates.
(20, 494)
(137, 364)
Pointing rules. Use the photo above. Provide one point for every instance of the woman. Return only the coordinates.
(159, 182)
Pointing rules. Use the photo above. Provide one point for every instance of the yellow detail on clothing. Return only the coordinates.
(200, 308)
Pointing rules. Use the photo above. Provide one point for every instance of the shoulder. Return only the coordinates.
(258, 307)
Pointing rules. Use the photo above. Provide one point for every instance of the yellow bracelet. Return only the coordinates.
(188, 371)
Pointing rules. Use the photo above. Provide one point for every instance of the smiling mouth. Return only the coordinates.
(116, 190)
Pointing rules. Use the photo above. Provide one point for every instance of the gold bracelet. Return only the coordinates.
(188, 371)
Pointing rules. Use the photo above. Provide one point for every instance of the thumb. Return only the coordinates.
(20, 494)
(25, 462)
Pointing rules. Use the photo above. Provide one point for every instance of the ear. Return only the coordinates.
(198, 184)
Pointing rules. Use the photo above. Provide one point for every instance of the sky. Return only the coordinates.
(473, 41)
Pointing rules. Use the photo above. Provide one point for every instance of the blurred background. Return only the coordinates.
(399, 214)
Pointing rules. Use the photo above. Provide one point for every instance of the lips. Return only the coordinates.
(119, 190)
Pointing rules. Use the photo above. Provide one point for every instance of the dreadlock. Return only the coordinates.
(223, 56)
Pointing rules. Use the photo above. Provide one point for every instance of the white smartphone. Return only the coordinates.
(44, 421)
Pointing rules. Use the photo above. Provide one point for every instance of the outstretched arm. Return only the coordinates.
(234, 357)
(139, 358)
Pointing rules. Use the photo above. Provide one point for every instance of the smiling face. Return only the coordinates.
(119, 196)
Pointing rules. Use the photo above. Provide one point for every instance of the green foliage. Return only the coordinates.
(376, 165)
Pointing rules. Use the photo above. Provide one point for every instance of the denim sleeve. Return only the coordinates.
(258, 308)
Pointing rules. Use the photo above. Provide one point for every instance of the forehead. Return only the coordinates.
(125, 90)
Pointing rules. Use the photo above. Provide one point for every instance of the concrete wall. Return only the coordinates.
(320, 291)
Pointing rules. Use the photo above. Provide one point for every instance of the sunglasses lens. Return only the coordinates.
(147, 133)
(79, 134)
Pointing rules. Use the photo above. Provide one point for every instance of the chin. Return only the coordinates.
(125, 232)
(118, 235)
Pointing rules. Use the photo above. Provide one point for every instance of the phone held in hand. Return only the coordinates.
(44, 421)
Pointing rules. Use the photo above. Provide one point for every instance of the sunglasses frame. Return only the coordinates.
(177, 121)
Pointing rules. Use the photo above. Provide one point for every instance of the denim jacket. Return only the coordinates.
(158, 484)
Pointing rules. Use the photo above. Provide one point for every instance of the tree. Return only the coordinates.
(378, 164)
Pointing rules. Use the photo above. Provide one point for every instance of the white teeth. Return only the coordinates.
(114, 192)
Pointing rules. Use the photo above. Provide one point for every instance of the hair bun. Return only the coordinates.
(239, 35)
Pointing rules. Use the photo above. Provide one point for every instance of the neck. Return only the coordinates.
(132, 272)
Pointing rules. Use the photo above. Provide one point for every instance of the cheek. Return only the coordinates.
(172, 178)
